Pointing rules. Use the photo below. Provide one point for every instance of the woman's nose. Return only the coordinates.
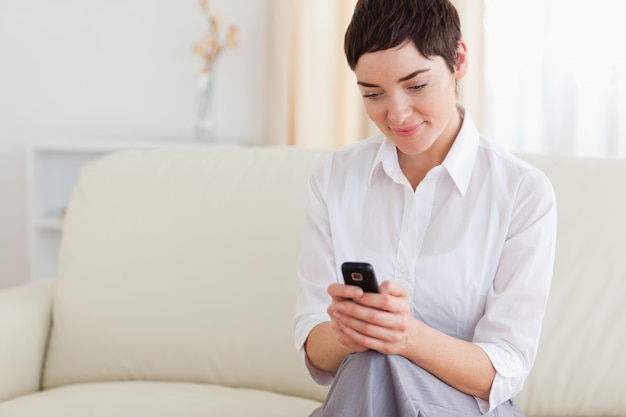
(399, 110)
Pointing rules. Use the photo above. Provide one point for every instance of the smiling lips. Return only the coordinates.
(407, 131)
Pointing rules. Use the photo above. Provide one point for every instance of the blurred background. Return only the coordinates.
(546, 76)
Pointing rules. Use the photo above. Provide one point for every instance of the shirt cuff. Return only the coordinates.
(509, 379)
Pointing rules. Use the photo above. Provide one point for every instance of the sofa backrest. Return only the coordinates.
(581, 361)
(180, 265)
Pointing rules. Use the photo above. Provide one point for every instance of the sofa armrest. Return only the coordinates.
(25, 318)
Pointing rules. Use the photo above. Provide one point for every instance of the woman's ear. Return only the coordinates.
(461, 61)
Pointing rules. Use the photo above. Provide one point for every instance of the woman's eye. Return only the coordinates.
(417, 87)
(372, 96)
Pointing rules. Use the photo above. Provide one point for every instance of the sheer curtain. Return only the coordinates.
(546, 76)
(555, 76)
(315, 101)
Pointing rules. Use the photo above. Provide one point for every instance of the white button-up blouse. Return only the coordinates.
(473, 245)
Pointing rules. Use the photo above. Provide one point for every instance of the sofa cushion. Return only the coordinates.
(581, 364)
(154, 399)
(180, 265)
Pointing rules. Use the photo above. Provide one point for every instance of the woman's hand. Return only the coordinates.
(362, 321)
(383, 322)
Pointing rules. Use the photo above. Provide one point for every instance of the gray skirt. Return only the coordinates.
(370, 384)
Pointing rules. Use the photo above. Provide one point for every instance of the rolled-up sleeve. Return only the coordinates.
(510, 328)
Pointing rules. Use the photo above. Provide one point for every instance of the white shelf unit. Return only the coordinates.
(52, 172)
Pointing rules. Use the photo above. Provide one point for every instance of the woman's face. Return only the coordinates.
(412, 99)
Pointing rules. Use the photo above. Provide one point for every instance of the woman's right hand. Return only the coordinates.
(342, 295)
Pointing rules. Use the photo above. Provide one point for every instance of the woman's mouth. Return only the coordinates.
(407, 131)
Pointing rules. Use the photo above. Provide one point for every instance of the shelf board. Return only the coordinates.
(101, 147)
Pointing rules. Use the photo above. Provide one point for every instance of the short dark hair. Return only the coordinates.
(432, 25)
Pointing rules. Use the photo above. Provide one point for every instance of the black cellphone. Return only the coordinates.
(360, 274)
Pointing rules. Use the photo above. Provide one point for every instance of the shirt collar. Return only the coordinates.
(386, 162)
(459, 162)
(461, 157)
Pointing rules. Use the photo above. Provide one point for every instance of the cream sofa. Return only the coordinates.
(176, 291)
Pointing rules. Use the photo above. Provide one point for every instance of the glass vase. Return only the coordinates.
(205, 118)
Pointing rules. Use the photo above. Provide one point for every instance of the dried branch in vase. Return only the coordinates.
(215, 42)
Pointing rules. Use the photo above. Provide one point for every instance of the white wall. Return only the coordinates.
(86, 70)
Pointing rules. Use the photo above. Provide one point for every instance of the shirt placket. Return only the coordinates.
(415, 220)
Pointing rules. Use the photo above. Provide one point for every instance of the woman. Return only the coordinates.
(460, 232)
